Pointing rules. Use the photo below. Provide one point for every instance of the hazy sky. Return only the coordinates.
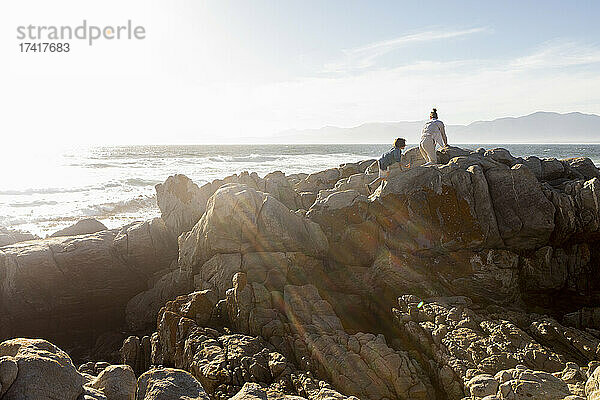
(224, 71)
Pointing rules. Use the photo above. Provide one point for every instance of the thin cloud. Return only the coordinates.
(365, 56)
(469, 89)
(559, 54)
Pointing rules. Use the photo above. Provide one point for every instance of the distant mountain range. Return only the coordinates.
(539, 127)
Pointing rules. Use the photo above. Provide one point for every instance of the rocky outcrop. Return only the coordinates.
(476, 201)
(224, 362)
(116, 382)
(242, 230)
(482, 226)
(11, 236)
(592, 386)
(361, 364)
(36, 369)
(79, 282)
(239, 219)
(523, 383)
(136, 353)
(447, 208)
(182, 202)
(169, 384)
(141, 311)
(475, 278)
(82, 227)
(461, 343)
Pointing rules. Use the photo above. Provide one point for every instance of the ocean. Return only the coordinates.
(42, 192)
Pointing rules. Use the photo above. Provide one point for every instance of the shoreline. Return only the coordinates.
(43, 209)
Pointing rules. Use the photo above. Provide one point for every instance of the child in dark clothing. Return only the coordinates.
(388, 158)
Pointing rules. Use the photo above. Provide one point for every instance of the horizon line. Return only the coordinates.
(324, 143)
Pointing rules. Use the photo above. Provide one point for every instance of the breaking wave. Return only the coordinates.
(116, 184)
(252, 158)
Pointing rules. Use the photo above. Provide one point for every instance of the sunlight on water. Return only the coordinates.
(43, 189)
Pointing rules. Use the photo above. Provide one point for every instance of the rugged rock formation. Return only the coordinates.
(34, 369)
(592, 386)
(11, 236)
(475, 278)
(142, 309)
(74, 288)
(136, 353)
(474, 202)
(190, 335)
(116, 382)
(28, 360)
(169, 384)
(361, 364)
(240, 219)
(82, 227)
(462, 344)
(182, 202)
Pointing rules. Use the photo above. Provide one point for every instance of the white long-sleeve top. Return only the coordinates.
(435, 128)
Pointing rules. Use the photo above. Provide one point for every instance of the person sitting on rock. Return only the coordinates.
(433, 133)
(394, 155)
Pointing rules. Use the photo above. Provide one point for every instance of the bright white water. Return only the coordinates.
(43, 191)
